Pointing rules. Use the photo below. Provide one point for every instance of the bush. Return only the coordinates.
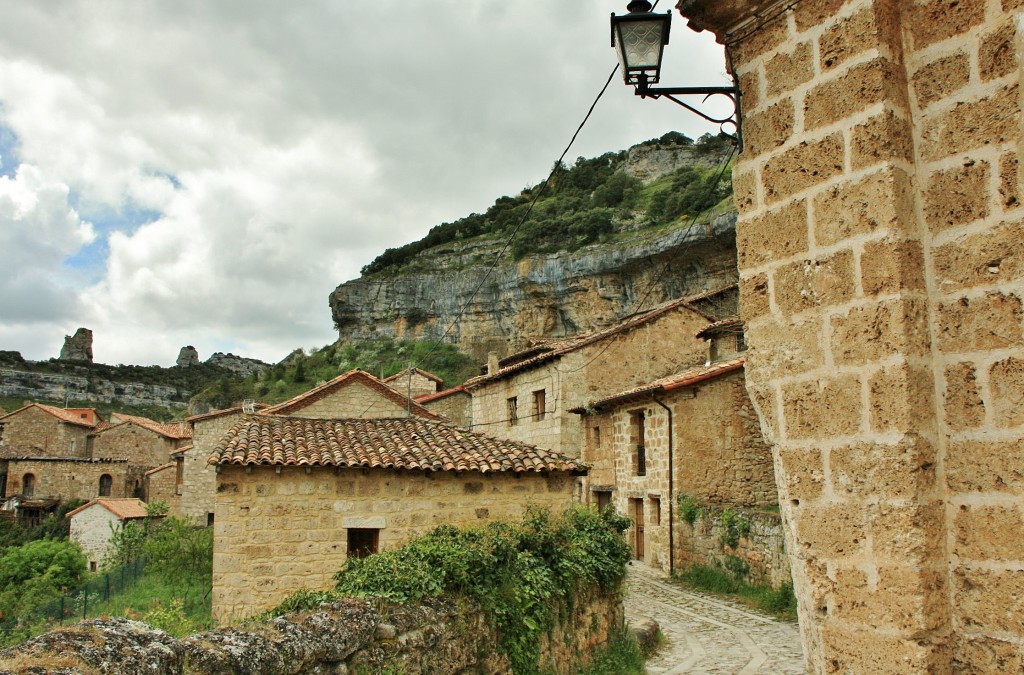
(35, 572)
(689, 509)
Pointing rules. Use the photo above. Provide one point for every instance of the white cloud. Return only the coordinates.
(284, 145)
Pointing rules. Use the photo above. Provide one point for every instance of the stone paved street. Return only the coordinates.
(708, 635)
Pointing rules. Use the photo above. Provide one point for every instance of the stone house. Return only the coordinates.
(882, 286)
(93, 524)
(524, 396)
(418, 382)
(454, 405)
(46, 431)
(692, 433)
(143, 443)
(296, 496)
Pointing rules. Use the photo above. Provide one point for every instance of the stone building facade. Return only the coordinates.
(454, 405)
(881, 284)
(47, 431)
(525, 396)
(355, 394)
(419, 383)
(93, 525)
(297, 496)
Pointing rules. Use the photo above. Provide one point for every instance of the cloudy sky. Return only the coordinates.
(206, 173)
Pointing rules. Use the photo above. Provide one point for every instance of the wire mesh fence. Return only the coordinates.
(73, 604)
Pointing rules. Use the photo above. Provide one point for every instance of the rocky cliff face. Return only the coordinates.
(542, 296)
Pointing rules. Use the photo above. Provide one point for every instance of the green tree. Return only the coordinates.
(35, 572)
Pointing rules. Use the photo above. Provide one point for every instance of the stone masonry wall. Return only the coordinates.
(278, 533)
(138, 445)
(91, 529)
(71, 479)
(44, 434)
(455, 408)
(161, 485)
(346, 636)
(762, 549)
(353, 400)
(199, 479)
(881, 285)
(420, 385)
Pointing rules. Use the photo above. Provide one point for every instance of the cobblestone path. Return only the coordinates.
(708, 635)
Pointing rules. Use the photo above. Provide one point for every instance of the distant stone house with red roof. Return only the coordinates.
(525, 396)
(414, 382)
(343, 470)
(692, 433)
(454, 405)
(93, 525)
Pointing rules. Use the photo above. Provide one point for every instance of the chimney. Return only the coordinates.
(492, 363)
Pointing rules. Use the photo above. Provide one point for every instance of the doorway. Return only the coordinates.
(637, 511)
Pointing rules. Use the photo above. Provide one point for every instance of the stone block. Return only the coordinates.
(985, 466)
(961, 398)
(902, 599)
(744, 190)
(992, 256)
(761, 42)
(981, 533)
(891, 266)
(750, 89)
(989, 600)
(847, 38)
(805, 165)
(957, 196)
(878, 330)
(1006, 382)
(823, 407)
(764, 403)
(860, 87)
(861, 650)
(993, 120)
(941, 78)
(812, 13)
(788, 70)
(900, 398)
(783, 348)
(802, 474)
(993, 321)
(986, 655)
(883, 200)
(768, 128)
(996, 55)
(754, 301)
(1009, 181)
(932, 21)
(873, 471)
(809, 284)
(882, 138)
(773, 235)
(833, 532)
(910, 534)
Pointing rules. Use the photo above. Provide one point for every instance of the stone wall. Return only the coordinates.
(161, 485)
(346, 636)
(69, 478)
(881, 284)
(762, 548)
(45, 435)
(353, 400)
(199, 479)
(138, 445)
(420, 385)
(278, 533)
(456, 408)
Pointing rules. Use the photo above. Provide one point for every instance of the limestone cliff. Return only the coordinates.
(539, 296)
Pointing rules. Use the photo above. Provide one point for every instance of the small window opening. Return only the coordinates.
(539, 404)
(597, 436)
(362, 542)
(655, 505)
(641, 449)
(209, 520)
(106, 483)
(513, 411)
(604, 498)
(28, 485)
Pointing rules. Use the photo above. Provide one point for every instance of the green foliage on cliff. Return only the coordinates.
(301, 371)
(585, 203)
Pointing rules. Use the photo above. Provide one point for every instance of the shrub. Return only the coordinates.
(689, 509)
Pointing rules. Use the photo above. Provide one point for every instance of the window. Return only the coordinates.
(655, 506)
(641, 450)
(513, 411)
(28, 485)
(362, 542)
(741, 342)
(92, 566)
(604, 498)
(179, 474)
(106, 482)
(209, 520)
(597, 436)
(539, 403)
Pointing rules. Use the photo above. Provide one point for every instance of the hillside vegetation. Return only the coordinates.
(588, 202)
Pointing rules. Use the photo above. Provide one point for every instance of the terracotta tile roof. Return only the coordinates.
(328, 388)
(125, 509)
(180, 452)
(162, 467)
(405, 373)
(430, 398)
(69, 416)
(398, 443)
(686, 378)
(571, 344)
(720, 326)
(217, 413)
(172, 430)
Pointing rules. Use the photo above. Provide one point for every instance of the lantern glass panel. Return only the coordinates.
(638, 43)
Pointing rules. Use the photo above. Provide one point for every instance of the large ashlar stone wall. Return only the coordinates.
(278, 533)
(882, 273)
(69, 479)
(46, 436)
(138, 445)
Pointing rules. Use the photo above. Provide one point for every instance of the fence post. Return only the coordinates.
(62, 596)
(85, 602)
(106, 586)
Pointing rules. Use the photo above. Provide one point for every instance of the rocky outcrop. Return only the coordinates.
(542, 296)
(43, 386)
(188, 356)
(343, 636)
(239, 365)
(77, 347)
(650, 162)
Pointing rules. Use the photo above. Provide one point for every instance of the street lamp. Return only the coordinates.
(639, 39)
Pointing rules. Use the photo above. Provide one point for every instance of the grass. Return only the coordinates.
(154, 600)
(777, 602)
(622, 657)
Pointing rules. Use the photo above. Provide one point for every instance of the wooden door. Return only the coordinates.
(638, 527)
